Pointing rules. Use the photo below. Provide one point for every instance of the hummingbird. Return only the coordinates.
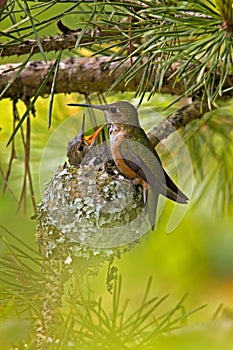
(135, 156)
(81, 144)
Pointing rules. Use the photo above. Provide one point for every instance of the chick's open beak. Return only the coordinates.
(91, 138)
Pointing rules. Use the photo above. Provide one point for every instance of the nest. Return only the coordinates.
(90, 211)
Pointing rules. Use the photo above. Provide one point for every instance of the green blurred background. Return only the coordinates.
(195, 258)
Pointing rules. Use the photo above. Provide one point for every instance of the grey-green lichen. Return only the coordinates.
(89, 213)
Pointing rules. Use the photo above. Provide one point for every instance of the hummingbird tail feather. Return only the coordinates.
(151, 207)
(173, 192)
(178, 197)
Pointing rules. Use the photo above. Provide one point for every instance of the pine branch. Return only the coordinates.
(84, 75)
(177, 120)
(154, 36)
(55, 43)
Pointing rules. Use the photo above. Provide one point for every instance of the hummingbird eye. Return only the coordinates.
(113, 109)
(80, 148)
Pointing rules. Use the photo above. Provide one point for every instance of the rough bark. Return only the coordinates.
(55, 43)
(82, 75)
(177, 120)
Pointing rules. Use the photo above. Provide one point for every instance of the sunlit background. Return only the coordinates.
(194, 260)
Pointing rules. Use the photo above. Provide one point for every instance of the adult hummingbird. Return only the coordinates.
(135, 156)
(81, 144)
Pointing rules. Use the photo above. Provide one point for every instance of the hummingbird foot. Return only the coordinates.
(144, 185)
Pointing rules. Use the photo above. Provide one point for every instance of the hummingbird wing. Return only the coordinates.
(173, 192)
(136, 157)
(143, 159)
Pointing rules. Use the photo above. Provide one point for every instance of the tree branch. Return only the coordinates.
(177, 120)
(84, 75)
(56, 43)
(88, 75)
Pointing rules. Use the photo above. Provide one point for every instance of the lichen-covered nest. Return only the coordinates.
(90, 211)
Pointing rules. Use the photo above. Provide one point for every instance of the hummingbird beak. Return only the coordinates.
(102, 108)
(90, 138)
